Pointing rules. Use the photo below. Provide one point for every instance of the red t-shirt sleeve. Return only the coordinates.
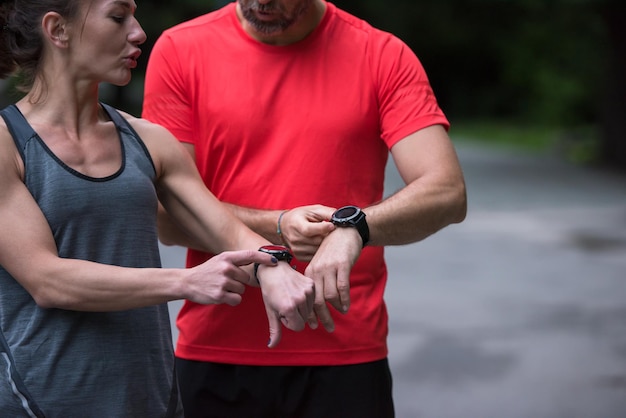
(407, 101)
(166, 100)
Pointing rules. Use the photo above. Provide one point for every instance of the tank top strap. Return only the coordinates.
(20, 129)
(128, 133)
(119, 121)
(115, 116)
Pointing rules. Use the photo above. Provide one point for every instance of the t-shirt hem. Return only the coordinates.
(421, 123)
(273, 357)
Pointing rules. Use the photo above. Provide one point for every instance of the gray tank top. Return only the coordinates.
(60, 363)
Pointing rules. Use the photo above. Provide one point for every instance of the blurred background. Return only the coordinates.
(538, 73)
(520, 311)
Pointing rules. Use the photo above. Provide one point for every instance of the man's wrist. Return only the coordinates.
(279, 230)
(352, 217)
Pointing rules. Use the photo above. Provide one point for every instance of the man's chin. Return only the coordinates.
(268, 30)
(267, 26)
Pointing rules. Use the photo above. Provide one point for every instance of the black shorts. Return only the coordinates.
(214, 390)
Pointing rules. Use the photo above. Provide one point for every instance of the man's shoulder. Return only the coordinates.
(347, 19)
(356, 25)
(203, 22)
(355, 30)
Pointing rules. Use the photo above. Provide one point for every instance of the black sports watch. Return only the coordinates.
(352, 216)
(281, 253)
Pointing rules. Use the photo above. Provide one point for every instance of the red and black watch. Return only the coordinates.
(281, 253)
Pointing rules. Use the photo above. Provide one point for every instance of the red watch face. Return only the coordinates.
(279, 251)
(274, 248)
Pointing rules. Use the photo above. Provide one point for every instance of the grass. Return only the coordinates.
(579, 145)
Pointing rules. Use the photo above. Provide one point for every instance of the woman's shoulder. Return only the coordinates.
(146, 129)
(10, 160)
(161, 144)
(6, 139)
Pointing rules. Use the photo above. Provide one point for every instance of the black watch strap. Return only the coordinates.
(364, 230)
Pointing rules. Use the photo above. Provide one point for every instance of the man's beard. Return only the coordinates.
(282, 21)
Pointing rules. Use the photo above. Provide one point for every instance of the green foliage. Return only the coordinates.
(554, 61)
(580, 145)
(537, 60)
(533, 62)
(543, 64)
(507, 134)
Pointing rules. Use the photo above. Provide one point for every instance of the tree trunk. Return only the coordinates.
(614, 108)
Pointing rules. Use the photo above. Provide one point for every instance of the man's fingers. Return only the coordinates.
(321, 213)
(331, 290)
(319, 230)
(310, 303)
(343, 287)
(322, 312)
(304, 252)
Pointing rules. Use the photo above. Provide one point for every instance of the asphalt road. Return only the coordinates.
(520, 311)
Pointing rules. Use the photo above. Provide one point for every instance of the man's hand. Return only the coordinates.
(330, 269)
(304, 228)
(288, 298)
(221, 278)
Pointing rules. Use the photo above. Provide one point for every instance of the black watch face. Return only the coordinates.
(346, 212)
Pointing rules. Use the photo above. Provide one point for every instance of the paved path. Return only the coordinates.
(520, 311)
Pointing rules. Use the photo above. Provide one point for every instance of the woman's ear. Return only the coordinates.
(53, 26)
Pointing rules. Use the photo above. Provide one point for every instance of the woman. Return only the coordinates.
(84, 327)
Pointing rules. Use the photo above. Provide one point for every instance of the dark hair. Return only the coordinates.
(21, 40)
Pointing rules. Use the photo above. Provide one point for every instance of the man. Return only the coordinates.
(290, 109)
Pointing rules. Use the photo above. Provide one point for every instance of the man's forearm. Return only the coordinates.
(415, 212)
(263, 222)
(170, 233)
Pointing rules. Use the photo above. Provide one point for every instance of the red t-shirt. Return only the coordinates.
(276, 127)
